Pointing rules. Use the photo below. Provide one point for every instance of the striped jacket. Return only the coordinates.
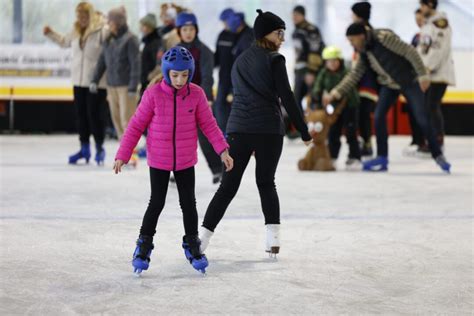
(396, 63)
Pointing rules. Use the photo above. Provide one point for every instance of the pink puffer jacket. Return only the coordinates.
(172, 118)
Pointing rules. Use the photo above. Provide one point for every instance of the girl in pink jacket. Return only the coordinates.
(172, 110)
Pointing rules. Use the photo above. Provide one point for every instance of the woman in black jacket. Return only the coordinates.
(255, 125)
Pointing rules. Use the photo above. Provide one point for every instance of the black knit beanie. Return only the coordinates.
(433, 3)
(265, 23)
(356, 29)
(300, 9)
(362, 10)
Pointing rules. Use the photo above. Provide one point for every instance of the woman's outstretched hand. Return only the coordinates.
(227, 160)
(118, 166)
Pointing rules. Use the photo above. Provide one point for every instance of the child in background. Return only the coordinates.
(187, 26)
(333, 72)
(172, 110)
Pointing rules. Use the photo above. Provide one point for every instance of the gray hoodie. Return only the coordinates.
(120, 57)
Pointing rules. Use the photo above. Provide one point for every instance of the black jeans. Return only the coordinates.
(365, 125)
(416, 100)
(185, 181)
(301, 89)
(267, 150)
(416, 134)
(213, 160)
(221, 107)
(433, 98)
(90, 109)
(347, 120)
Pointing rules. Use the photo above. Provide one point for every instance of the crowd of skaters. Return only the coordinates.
(109, 64)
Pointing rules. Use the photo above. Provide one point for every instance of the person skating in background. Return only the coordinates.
(223, 59)
(245, 35)
(120, 61)
(436, 52)
(168, 36)
(333, 72)
(172, 110)
(86, 40)
(151, 43)
(255, 126)
(418, 144)
(188, 30)
(168, 31)
(368, 87)
(308, 43)
(399, 69)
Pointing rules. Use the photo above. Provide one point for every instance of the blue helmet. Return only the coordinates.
(225, 14)
(177, 58)
(233, 22)
(242, 15)
(186, 19)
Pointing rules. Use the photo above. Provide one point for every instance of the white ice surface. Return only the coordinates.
(352, 243)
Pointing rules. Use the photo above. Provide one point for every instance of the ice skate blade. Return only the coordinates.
(272, 253)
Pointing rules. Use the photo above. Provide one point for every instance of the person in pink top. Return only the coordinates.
(172, 110)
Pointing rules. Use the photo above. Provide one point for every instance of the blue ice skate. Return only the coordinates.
(84, 152)
(198, 260)
(377, 164)
(141, 256)
(100, 156)
(443, 164)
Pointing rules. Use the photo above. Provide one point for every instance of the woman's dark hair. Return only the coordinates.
(266, 44)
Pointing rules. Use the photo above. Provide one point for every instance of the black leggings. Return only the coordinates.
(185, 181)
(267, 150)
(90, 109)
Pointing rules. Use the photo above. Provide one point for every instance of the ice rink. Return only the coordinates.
(352, 243)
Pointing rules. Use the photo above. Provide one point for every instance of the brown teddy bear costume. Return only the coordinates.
(319, 121)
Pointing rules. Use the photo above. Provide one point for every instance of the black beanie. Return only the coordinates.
(362, 10)
(356, 29)
(300, 9)
(265, 23)
(434, 3)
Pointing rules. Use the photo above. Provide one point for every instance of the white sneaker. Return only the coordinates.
(205, 236)
(273, 239)
(353, 164)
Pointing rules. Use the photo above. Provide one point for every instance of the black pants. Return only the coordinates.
(213, 160)
(365, 124)
(267, 150)
(347, 120)
(185, 181)
(90, 109)
(433, 98)
(416, 133)
(221, 107)
(301, 89)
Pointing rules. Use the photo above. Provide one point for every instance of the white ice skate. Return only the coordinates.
(353, 164)
(273, 240)
(205, 236)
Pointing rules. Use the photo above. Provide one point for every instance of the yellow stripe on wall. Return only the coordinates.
(66, 93)
(459, 97)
